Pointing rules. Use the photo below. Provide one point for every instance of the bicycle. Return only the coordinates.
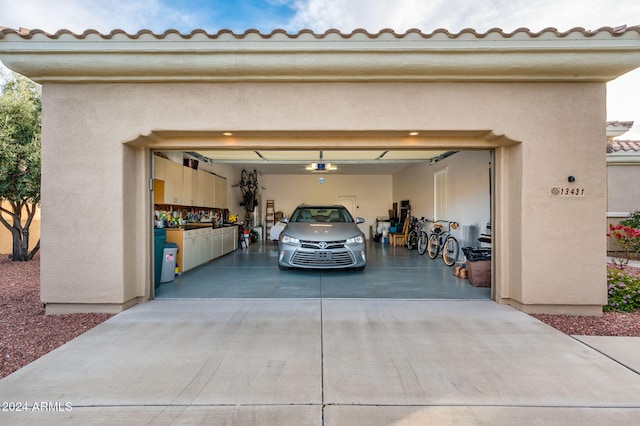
(423, 236)
(414, 229)
(443, 242)
(249, 186)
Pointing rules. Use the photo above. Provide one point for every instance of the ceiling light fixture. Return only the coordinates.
(414, 133)
(321, 166)
(227, 134)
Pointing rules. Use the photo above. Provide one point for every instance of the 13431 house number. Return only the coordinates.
(567, 192)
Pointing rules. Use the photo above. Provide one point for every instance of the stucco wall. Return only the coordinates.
(624, 187)
(86, 161)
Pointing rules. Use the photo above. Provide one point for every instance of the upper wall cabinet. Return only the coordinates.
(159, 168)
(190, 187)
(173, 183)
(186, 186)
(206, 188)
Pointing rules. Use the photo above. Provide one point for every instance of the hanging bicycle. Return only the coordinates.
(249, 186)
(442, 241)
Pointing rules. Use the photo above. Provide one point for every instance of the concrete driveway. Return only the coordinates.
(324, 361)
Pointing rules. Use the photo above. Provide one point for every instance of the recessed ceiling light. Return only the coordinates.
(228, 134)
(414, 133)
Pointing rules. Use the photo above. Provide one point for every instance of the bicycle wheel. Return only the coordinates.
(433, 247)
(423, 239)
(412, 240)
(450, 251)
(252, 181)
(244, 177)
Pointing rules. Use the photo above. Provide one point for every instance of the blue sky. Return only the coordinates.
(345, 15)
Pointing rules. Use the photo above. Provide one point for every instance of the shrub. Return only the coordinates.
(633, 221)
(623, 288)
(625, 238)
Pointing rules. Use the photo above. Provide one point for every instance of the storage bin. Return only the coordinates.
(478, 265)
(479, 273)
(169, 262)
(159, 239)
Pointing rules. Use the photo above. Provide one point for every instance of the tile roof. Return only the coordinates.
(495, 55)
(623, 145)
(331, 33)
(625, 124)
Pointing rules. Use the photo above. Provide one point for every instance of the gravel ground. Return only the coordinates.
(26, 333)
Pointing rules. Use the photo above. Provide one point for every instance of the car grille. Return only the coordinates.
(311, 259)
(322, 245)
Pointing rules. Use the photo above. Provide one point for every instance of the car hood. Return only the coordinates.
(321, 231)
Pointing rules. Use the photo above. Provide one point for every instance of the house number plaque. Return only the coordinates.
(567, 192)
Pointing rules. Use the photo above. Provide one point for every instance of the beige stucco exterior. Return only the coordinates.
(538, 101)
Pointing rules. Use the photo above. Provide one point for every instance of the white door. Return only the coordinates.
(440, 194)
(349, 202)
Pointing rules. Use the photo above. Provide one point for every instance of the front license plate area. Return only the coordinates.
(322, 255)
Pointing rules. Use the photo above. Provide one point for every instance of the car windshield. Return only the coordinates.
(321, 214)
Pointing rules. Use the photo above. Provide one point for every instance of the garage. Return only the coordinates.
(363, 180)
(535, 100)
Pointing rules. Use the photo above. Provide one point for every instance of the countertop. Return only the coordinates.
(191, 226)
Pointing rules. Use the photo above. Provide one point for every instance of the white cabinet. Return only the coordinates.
(189, 186)
(204, 243)
(206, 188)
(197, 246)
(174, 178)
(200, 245)
(216, 243)
(229, 239)
(190, 255)
(159, 168)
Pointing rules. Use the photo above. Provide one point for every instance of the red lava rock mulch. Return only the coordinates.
(26, 333)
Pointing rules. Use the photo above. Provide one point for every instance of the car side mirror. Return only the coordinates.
(284, 220)
(359, 220)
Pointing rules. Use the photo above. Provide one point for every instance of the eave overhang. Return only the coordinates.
(549, 55)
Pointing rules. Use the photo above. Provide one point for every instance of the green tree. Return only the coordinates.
(20, 133)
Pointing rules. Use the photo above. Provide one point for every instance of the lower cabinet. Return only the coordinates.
(198, 246)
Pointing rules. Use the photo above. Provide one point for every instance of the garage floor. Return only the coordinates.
(392, 273)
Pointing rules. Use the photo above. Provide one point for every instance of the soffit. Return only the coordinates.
(548, 55)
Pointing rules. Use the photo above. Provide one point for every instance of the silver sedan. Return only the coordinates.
(322, 237)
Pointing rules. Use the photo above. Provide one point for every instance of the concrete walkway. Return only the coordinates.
(327, 361)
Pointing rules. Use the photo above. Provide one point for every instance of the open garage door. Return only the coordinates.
(376, 180)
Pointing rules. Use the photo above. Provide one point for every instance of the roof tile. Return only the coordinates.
(623, 145)
(614, 31)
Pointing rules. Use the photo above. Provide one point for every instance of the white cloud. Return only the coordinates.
(456, 15)
(101, 15)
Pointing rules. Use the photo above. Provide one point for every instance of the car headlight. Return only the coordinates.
(355, 240)
(290, 240)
